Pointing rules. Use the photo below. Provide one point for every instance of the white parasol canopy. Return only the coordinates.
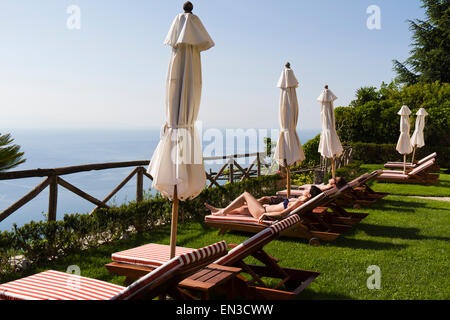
(330, 146)
(417, 139)
(178, 160)
(404, 142)
(288, 151)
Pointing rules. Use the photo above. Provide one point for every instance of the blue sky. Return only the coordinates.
(111, 73)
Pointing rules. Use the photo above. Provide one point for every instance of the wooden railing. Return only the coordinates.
(53, 179)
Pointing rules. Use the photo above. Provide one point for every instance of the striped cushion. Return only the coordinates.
(238, 219)
(55, 285)
(285, 223)
(247, 247)
(168, 269)
(431, 156)
(393, 176)
(149, 255)
(422, 167)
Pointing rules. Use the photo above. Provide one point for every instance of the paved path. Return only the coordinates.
(433, 198)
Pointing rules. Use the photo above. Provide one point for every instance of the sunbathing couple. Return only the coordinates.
(271, 207)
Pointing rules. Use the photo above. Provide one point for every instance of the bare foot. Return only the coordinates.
(215, 211)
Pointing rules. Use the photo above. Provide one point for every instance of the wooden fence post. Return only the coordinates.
(258, 165)
(231, 174)
(52, 198)
(140, 185)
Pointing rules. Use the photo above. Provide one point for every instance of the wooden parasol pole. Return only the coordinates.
(173, 230)
(288, 181)
(404, 163)
(333, 174)
(414, 153)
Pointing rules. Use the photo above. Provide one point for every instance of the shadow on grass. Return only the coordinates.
(402, 205)
(397, 232)
(313, 295)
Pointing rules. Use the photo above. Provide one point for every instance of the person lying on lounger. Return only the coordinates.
(332, 183)
(266, 207)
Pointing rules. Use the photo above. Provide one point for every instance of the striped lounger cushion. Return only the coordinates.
(169, 268)
(149, 255)
(248, 246)
(55, 285)
(238, 219)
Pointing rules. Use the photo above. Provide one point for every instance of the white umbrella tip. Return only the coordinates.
(188, 7)
(404, 111)
(422, 112)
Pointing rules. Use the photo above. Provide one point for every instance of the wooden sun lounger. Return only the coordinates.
(54, 285)
(310, 227)
(410, 166)
(417, 176)
(291, 281)
(354, 193)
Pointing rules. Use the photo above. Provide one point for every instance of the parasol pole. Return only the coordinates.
(288, 181)
(173, 230)
(414, 153)
(404, 163)
(333, 174)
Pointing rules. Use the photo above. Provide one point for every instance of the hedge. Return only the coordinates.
(382, 153)
(42, 241)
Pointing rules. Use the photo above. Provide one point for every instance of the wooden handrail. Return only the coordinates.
(53, 179)
(69, 170)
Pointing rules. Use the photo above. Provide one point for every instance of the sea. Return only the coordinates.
(53, 148)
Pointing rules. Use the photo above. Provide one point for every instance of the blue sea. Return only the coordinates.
(52, 148)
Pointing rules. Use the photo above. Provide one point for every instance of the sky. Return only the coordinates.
(110, 73)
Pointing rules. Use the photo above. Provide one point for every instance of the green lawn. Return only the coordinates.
(408, 238)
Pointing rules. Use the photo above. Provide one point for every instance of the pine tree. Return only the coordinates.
(430, 56)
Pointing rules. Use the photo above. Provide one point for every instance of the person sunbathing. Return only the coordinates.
(332, 183)
(265, 207)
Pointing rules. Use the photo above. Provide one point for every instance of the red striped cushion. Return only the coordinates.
(168, 269)
(393, 176)
(285, 223)
(239, 219)
(150, 255)
(429, 157)
(422, 167)
(247, 247)
(55, 285)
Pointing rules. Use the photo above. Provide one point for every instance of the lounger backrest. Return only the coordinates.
(311, 204)
(192, 260)
(422, 167)
(429, 157)
(357, 181)
(258, 241)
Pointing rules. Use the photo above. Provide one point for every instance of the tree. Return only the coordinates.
(10, 155)
(430, 56)
(364, 95)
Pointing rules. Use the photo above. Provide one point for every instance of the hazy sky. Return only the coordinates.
(111, 72)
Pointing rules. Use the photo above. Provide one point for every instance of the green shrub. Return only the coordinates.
(382, 153)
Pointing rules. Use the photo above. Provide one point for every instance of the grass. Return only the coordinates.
(441, 189)
(408, 238)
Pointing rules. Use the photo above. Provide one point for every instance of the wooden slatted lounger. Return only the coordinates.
(294, 280)
(54, 285)
(310, 227)
(417, 176)
(411, 166)
(358, 193)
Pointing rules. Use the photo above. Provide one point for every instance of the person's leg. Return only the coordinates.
(236, 204)
(254, 207)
